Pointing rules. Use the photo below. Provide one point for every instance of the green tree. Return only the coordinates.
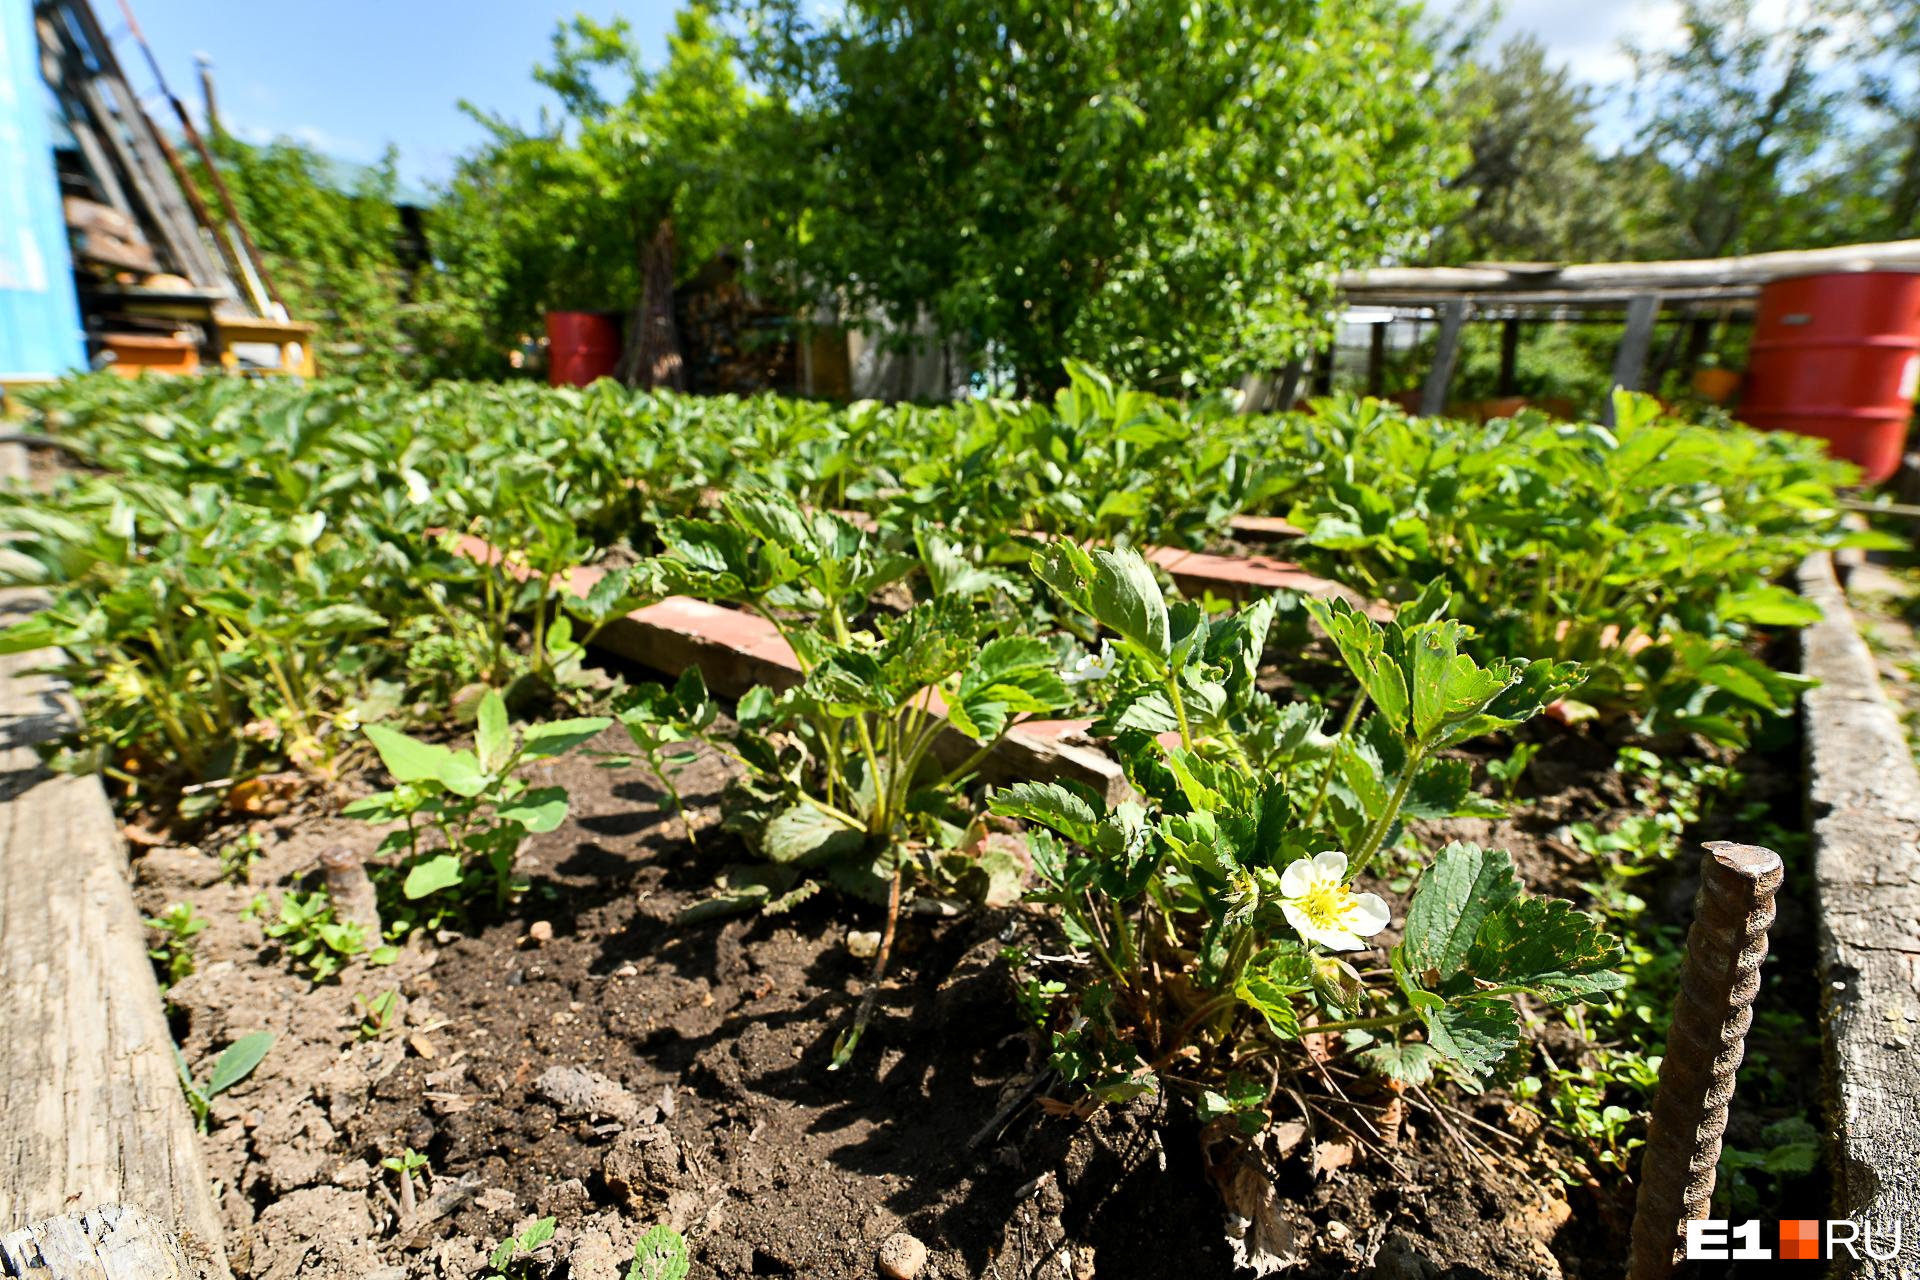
(1874, 194)
(332, 253)
(1540, 190)
(1735, 118)
(554, 216)
(1166, 190)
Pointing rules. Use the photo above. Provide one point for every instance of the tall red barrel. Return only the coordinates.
(581, 346)
(1837, 356)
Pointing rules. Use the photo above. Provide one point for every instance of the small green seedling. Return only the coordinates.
(1508, 772)
(233, 1066)
(511, 1255)
(177, 926)
(479, 811)
(305, 926)
(660, 1254)
(377, 1015)
(665, 725)
(237, 857)
(408, 1163)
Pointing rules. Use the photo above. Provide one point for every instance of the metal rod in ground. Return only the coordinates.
(1718, 980)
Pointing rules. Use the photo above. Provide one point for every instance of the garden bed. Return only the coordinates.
(729, 1124)
(1135, 1069)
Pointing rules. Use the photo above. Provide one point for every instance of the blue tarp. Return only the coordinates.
(40, 334)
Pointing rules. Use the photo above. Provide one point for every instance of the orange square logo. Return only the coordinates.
(1800, 1238)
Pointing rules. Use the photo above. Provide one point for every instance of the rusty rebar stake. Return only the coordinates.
(1718, 980)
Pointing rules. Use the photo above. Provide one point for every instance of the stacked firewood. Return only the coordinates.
(730, 341)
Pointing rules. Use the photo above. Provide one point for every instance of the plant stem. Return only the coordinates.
(1180, 709)
(843, 1050)
(1380, 1023)
(1326, 779)
(1378, 835)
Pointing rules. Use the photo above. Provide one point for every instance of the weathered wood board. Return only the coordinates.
(91, 1112)
(1864, 803)
(112, 1242)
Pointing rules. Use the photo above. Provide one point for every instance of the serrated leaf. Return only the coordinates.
(1546, 945)
(1476, 1034)
(1457, 893)
(1408, 1063)
(1070, 808)
(1363, 647)
(1013, 675)
(1116, 587)
(1447, 685)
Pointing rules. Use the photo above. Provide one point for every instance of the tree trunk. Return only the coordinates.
(651, 357)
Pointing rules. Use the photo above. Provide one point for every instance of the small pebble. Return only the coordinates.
(901, 1256)
(864, 944)
(539, 933)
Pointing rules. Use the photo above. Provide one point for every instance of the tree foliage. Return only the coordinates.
(1736, 115)
(1167, 189)
(331, 247)
(1540, 190)
(552, 216)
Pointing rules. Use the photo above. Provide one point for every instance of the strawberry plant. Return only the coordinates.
(1219, 913)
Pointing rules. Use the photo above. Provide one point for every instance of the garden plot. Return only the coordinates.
(772, 1163)
(844, 983)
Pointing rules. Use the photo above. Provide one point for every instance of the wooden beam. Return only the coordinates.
(90, 1105)
(1863, 797)
(1446, 353)
(1377, 360)
(1636, 277)
(112, 1242)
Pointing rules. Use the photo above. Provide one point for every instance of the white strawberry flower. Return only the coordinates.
(1092, 668)
(1322, 908)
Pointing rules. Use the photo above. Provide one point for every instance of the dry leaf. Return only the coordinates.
(1262, 1241)
(423, 1047)
(1328, 1156)
(1285, 1137)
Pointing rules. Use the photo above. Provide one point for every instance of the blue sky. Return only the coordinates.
(350, 76)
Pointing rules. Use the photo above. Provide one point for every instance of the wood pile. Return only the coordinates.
(730, 342)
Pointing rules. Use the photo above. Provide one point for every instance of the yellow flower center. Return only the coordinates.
(1324, 904)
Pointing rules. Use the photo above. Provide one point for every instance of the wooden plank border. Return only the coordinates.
(1863, 801)
(91, 1113)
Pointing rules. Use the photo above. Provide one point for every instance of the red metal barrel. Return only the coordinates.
(1837, 356)
(581, 346)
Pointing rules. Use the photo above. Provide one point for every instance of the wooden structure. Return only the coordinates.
(1864, 797)
(91, 1112)
(1704, 291)
(155, 265)
(290, 340)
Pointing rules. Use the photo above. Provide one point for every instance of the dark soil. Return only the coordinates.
(730, 1125)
